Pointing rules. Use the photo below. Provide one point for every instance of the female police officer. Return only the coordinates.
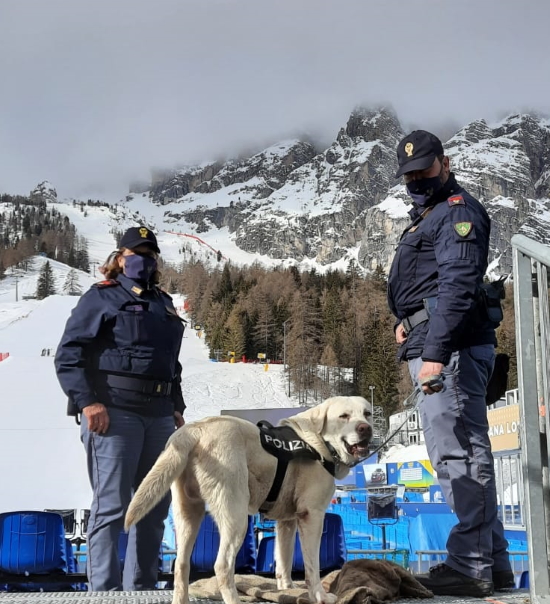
(118, 363)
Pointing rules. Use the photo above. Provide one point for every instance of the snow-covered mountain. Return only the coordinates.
(294, 204)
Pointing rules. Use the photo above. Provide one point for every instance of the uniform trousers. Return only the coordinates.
(117, 463)
(456, 431)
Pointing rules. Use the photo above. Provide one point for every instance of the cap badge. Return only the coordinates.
(463, 228)
(409, 149)
(143, 232)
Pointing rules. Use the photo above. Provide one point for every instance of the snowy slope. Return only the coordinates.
(19, 283)
(98, 224)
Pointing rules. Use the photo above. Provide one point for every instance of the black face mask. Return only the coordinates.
(423, 189)
(139, 267)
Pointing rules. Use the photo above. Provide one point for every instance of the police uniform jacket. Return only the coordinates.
(120, 348)
(442, 256)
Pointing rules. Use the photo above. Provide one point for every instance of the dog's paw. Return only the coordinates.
(180, 597)
(322, 597)
(284, 583)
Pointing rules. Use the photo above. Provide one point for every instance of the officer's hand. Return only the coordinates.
(178, 419)
(98, 418)
(428, 372)
(400, 335)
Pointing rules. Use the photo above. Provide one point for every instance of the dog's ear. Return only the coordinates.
(312, 420)
(318, 417)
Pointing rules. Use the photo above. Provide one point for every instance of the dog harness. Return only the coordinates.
(283, 443)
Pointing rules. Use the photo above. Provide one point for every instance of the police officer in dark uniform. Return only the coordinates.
(449, 344)
(118, 364)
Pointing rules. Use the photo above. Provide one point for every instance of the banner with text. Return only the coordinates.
(504, 428)
(415, 473)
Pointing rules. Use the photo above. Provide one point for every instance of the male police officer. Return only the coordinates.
(434, 291)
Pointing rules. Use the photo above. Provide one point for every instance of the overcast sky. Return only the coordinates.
(95, 92)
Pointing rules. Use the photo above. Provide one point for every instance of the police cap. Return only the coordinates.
(417, 151)
(139, 236)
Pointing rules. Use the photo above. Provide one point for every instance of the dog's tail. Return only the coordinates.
(167, 468)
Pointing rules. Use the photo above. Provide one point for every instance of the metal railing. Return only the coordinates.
(509, 484)
(531, 263)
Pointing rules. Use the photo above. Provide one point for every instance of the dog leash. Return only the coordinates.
(412, 399)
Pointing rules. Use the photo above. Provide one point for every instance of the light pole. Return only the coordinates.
(371, 388)
(284, 353)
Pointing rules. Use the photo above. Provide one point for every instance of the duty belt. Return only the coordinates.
(410, 322)
(152, 387)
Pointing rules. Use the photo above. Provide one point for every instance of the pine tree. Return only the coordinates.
(379, 364)
(333, 319)
(46, 282)
(225, 293)
(82, 260)
(235, 339)
(330, 372)
(380, 278)
(304, 341)
(71, 286)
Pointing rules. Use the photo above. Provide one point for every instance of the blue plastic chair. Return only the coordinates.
(332, 555)
(524, 580)
(32, 542)
(265, 562)
(207, 545)
(333, 552)
(71, 568)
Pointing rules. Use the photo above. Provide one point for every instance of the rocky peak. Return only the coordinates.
(269, 167)
(475, 131)
(379, 124)
(44, 192)
(533, 134)
(272, 166)
(170, 185)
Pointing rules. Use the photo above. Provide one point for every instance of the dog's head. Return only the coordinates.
(345, 423)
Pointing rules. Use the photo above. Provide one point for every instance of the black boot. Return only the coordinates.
(443, 580)
(503, 580)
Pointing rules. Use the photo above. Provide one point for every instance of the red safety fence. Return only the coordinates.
(201, 241)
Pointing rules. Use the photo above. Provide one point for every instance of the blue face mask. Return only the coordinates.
(139, 267)
(422, 190)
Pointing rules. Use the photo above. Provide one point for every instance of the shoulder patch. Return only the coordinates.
(463, 228)
(107, 283)
(456, 200)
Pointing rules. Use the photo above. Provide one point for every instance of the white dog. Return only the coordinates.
(220, 461)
